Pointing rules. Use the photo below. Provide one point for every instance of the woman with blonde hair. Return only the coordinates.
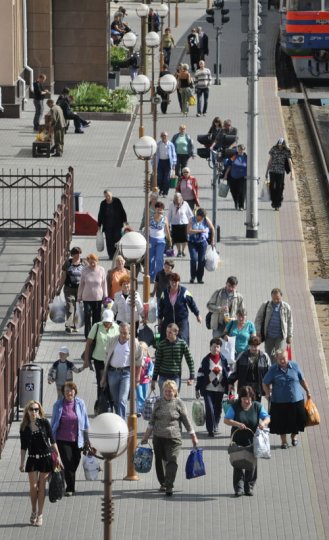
(37, 438)
(114, 275)
(92, 290)
(184, 84)
(168, 414)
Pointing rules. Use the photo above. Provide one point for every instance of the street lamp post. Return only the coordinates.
(133, 247)
(129, 40)
(141, 85)
(176, 14)
(145, 149)
(108, 433)
(162, 12)
(142, 11)
(152, 41)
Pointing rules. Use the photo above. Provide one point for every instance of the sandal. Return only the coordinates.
(284, 446)
(33, 518)
(38, 522)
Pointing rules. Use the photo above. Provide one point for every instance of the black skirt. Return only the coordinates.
(42, 464)
(287, 417)
(178, 233)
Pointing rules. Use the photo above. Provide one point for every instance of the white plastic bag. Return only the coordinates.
(79, 319)
(57, 310)
(265, 193)
(153, 310)
(262, 447)
(212, 259)
(91, 467)
(228, 349)
(100, 241)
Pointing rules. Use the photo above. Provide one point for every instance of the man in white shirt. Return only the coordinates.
(202, 81)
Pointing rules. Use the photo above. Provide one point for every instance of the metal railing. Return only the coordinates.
(19, 343)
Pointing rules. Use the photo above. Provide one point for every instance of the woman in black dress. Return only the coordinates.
(36, 437)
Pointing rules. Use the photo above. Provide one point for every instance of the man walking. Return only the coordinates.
(39, 95)
(166, 160)
(57, 123)
(274, 324)
(111, 217)
(203, 43)
(223, 306)
(193, 48)
(202, 81)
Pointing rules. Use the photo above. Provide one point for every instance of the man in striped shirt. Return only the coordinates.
(169, 357)
(202, 81)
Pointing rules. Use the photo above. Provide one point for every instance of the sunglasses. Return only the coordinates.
(34, 410)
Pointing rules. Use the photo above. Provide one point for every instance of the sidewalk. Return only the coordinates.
(292, 492)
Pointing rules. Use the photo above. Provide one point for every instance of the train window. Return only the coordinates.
(305, 5)
(326, 5)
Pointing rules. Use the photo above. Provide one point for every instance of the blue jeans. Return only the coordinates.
(163, 176)
(197, 253)
(162, 379)
(119, 385)
(199, 93)
(141, 395)
(157, 248)
(38, 104)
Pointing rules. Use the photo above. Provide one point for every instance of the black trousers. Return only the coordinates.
(166, 452)
(93, 310)
(70, 455)
(276, 189)
(238, 188)
(244, 481)
(112, 236)
(213, 405)
(181, 162)
(99, 368)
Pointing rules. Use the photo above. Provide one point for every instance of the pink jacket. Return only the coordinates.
(146, 371)
(93, 286)
(195, 188)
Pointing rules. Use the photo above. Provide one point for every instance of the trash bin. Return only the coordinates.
(30, 384)
(112, 80)
(78, 200)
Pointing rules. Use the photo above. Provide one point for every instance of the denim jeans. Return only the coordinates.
(142, 391)
(157, 248)
(119, 384)
(197, 253)
(38, 104)
(199, 93)
(162, 379)
(163, 176)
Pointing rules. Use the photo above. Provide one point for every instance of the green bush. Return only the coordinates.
(118, 55)
(92, 97)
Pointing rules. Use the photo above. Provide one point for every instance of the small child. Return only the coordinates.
(145, 378)
(62, 371)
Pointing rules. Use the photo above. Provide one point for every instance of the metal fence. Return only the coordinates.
(19, 343)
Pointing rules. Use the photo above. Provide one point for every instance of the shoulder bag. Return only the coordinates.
(241, 457)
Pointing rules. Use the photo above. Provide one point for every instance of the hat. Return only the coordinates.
(281, 141)
(64, 350)
(108, 316)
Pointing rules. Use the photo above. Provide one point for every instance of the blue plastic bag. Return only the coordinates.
(142, 459)
(195, 466)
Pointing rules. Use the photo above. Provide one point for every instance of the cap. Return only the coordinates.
(108, 316)
(280, 141)
(64, 350)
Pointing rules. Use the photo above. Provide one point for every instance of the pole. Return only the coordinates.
(143, 69)
(176, 14)
(108, 37)
(141, 116)
(154, 110)
(252, 136)
(218, 65)
(161, 45)
(146, 278)
(169, 13)
(132, 418)
(214, 195)
(108, 504)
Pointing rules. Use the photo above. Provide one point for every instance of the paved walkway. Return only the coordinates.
(292, 492)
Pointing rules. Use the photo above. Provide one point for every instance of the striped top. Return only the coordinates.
(169, 356)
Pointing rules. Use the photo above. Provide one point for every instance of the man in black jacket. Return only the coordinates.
(64, 101)
(111, 218)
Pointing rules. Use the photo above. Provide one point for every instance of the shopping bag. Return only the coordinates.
(142, 459)
(149, 405)
(100, 241)
(228, 349)
(265, 193)
(241, 457)
(146, 334)
(289, 352)
(173, 182)
(198, 412)
(223, 189)
(312, 413)
(195, 466)
(192, 101)
(262, 447)
(211, 258)
(56, 485)
(153, 310)
(79, 319)
(57, 310)
(208, 320)
(91, 467)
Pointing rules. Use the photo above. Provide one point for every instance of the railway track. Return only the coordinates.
(307, 141)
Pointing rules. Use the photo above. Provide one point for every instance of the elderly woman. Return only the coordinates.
(114, 275)
(184, 84)
(278, 164)
(179, 214)
(188, 187)
(37, 438)
(121, 305)
(154, 197)
(174, 305)
(241, 329)
(236, 174)
(283, 385)
(158, 232)
(168, 414)
(250, 368)
(200, 232)
(244, 415)
(69, 423)
(92, 289)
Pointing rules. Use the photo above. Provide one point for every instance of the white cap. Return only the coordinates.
(64, 350)
(108, 315)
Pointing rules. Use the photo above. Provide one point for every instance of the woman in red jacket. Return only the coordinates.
(189, 188)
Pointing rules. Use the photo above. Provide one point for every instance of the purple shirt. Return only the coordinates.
(68, 424)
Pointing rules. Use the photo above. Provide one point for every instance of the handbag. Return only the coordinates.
(198, 412)
(149, 405)
(312, 414)
(262, 447)
(192, 101)
(56, 485)
(195, 465)
(223, 189)
(262, 327)
(265, 193)
(241, 457)
(208, 320)
(91, 467)
(100, 241)
(142, 459)
(287, 166)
